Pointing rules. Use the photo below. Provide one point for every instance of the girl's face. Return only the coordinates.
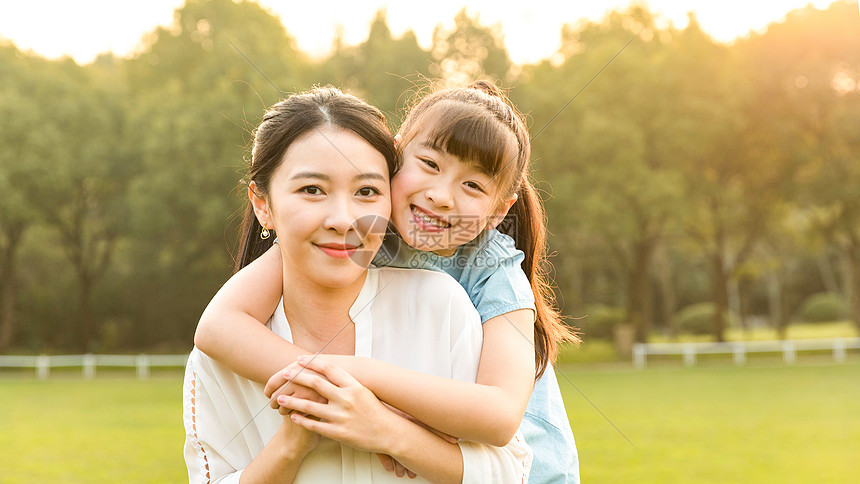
(439, 202)
(330, 188)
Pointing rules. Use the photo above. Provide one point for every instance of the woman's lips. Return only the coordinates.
(338, 251)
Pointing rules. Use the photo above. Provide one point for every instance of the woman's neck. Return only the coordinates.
(319, 317)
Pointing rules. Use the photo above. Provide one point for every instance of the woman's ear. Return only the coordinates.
(261, 206)
(397, 139)
(502, 212)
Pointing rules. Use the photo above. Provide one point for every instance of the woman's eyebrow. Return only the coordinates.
(324, 177)
(310, 174)
(370, 176)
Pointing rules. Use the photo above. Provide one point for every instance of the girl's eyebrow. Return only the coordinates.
(432, 147)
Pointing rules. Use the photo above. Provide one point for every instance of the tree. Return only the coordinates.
(807, 70)
(198, 87)
(78, 187)
(471, 51)
(383, 70)
(23, 149)
(615, 179)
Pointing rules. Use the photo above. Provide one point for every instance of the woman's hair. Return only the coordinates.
(478, 124)
(287, 121)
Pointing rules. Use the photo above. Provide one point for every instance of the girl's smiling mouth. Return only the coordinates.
(427, 220)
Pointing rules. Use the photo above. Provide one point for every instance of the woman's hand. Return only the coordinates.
(296, 438)
(352, 414)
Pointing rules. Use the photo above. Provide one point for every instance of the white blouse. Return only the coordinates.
(416, 319)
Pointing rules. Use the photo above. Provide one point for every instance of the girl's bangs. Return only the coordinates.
(472, 135)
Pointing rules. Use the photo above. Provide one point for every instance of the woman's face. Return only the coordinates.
(328, 202)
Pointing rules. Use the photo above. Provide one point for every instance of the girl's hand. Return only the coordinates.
(391, 465)
(352, 414)
(279, 384)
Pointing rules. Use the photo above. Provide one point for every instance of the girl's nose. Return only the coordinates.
(440, 196)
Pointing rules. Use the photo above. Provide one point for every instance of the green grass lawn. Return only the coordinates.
(782, 424)
(107, 430)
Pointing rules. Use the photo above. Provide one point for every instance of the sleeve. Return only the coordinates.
(494, 278)
(204, 463)
(487, 464)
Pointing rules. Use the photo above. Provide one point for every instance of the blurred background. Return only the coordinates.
(695, 187)
(699, 160)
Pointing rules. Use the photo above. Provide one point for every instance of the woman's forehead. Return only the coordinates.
(328, 152)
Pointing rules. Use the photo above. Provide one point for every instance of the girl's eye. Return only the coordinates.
(430, 163)
(475, 186)
(368, 191)
(311, 190)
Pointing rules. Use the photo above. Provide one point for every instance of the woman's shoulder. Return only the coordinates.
(410, 278)
(420, 284)
(429, 298)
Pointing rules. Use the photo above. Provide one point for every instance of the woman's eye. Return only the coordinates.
(368, 191)
(311, 190)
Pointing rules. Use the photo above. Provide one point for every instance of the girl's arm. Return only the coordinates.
(489, 411)
(232, 327)
(353, 415)
(230, 331)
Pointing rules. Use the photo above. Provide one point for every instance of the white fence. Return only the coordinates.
(89, 362)
(740, 349)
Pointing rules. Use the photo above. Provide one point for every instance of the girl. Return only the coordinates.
(321, 161)
(465, 155)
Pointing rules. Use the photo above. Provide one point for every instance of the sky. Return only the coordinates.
(532, 28)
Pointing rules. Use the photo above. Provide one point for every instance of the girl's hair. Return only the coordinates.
(287, 121)
(478, 124)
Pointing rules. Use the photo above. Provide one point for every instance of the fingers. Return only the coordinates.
(277, 381)
(315, 381)
(308, 407)
(386, 461)
(292, 387)
(334, 373)
(317, 426)
(399, 470)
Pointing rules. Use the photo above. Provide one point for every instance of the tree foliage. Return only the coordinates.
(686, 174)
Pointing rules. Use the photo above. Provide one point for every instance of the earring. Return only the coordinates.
(265, 233)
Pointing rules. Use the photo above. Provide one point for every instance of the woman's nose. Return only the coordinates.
(340, 218)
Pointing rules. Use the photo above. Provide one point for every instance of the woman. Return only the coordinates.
(321, 163)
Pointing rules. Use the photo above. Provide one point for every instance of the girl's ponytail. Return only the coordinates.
(529, 233)
(482, 125)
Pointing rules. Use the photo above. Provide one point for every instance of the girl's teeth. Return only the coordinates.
(431, 221)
